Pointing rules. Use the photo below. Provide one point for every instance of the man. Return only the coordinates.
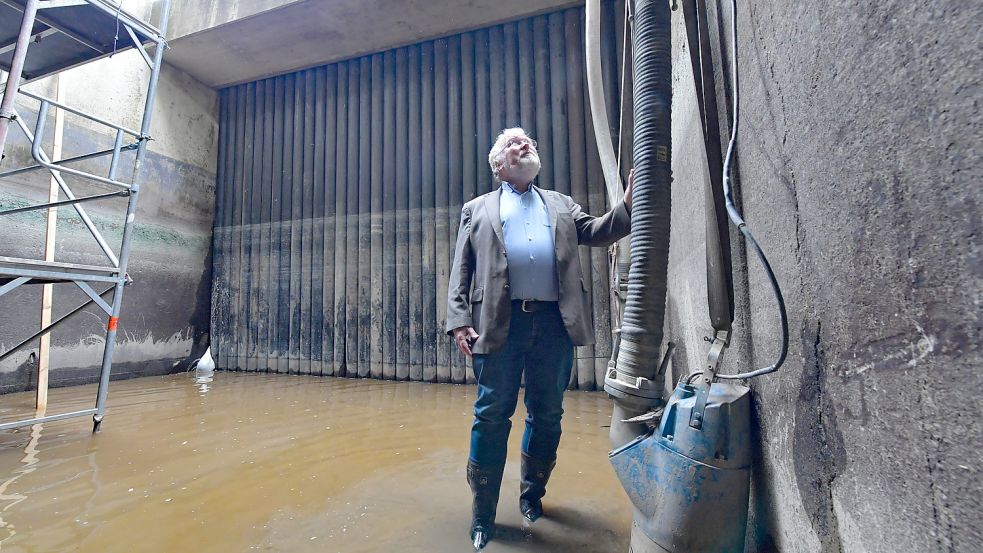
(517, 302)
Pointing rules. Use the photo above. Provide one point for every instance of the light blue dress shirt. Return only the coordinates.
(528, 245)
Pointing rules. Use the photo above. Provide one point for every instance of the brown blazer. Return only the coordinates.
(478, 291)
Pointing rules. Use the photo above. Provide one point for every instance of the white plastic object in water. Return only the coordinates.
(206, 363)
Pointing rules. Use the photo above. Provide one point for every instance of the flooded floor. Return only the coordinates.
(253, 462)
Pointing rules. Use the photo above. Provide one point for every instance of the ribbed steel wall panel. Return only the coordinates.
(339, 192)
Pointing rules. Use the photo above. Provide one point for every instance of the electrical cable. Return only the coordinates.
(119, 8)
(736, 218)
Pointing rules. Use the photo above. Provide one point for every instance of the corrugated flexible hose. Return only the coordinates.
(641, 330)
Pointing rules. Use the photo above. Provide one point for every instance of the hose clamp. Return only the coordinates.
(720, 342)
(635, 389)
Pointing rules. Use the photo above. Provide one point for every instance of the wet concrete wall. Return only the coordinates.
(164, 319)
(340, 189)
(855, 166)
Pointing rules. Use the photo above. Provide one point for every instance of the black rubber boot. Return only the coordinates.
(485, 484)
(535, 474)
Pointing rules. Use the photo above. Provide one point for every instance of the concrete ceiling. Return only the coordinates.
(228, 42)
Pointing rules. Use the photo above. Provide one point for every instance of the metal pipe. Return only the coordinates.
(116, 11)
(267, 279)
(35, 37)
(114, 162)
(64, 202)
(364, 242)
(124, 256)
(103, 245)
(458, 366)
(577, 156)
(413, 211)
(470, 161)
(318, 222)
(351, 205)
(377, 330)
(557, 78)
(402, 219)
(720, 287)
(389, 345)
(510, 47)
(47, 21)
(598, 109)
(50, 327)
(610, 165)
(219, 297)
(42, 159)
(441, 211)
(284, 183)
(13, 284)
(603, 303)
(85, 115)
(428, 255)
(543, 113)
(61, 162)
(304, 222)
(7, 113)
(237, 347)
(330, 220)
(138, 45)
(341, 222)
(293, 163)
(49, 418)
(249, 236)
(56, 276)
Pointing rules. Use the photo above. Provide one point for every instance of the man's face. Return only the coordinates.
(520, 160)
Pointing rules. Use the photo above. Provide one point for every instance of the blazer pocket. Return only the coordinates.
(477, 295)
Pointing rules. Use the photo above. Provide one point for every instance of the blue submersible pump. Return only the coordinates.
(684, 462)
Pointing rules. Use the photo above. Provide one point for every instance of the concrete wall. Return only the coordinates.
(856, 171)
(164, 319)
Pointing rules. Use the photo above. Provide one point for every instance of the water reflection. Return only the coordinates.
(203, 377)
(291, 463)
(9, 500)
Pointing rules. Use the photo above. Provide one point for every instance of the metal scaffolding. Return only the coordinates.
(61, 34)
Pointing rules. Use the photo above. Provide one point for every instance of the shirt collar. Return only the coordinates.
(507, 187)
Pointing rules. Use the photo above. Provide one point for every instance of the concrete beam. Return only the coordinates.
(229, 42)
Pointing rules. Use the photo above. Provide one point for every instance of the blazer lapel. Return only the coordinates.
(551, 209)
(492, 207)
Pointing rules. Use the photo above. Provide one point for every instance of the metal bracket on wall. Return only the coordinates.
(720, 342)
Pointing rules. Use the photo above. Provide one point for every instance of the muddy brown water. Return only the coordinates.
(255, 462)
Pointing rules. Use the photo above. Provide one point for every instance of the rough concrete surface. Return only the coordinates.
(857, 170)
(164, 319)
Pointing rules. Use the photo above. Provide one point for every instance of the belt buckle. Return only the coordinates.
(524, 302)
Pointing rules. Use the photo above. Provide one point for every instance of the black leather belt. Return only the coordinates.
(532, 306)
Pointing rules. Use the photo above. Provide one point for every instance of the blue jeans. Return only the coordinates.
(539, 344)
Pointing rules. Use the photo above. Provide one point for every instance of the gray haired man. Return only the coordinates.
(516, 302)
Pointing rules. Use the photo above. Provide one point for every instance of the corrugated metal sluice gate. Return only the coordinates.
(340, 187)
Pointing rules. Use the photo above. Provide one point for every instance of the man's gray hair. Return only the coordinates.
(498, 149)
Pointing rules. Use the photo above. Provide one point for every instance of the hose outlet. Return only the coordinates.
(689, 487)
